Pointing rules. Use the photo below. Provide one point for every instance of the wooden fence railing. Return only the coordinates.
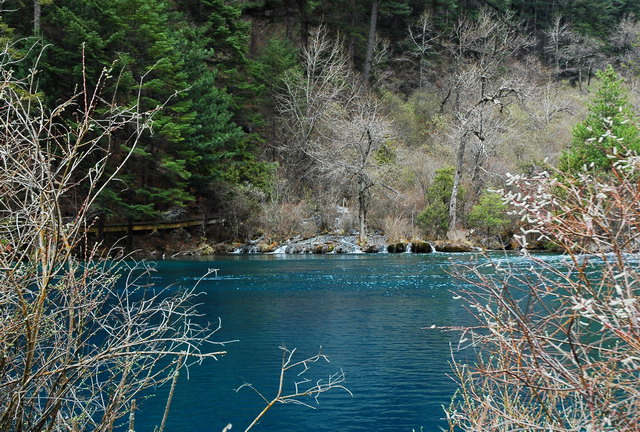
(152, 225)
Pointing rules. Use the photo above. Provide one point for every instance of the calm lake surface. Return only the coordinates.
(368, 312)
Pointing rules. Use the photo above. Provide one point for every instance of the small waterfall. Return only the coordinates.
(246, 249)
(384, 248)
(408, 248)
(348, 245)
(433, 249)
(280, 250)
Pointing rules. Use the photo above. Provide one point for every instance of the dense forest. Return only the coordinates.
(283, 117)
(504, 124)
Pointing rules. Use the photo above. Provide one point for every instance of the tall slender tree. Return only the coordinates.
(371, 40)
(480, 90)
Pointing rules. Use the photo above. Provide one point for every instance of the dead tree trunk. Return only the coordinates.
(37, 12)
(371, 41)
(362, 210)
(457, 177)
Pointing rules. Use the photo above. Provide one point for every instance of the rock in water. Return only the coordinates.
(421, 247)
(398, 247)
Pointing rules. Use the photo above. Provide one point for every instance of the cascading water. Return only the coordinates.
(246, 249)
(349, 246)
(280, 250)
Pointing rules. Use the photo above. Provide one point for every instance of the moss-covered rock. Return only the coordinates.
(267, 247)
(371, 248)
(398, 247)
(453, 247)
(421, 247)
(323, 248)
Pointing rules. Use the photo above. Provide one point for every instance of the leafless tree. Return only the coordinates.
(352, 155)
(576, 56)
(80, 335)
(547, 105)
(557, 36)
(307, 102)
(582, 57)
(381, 57)
(625, 39)
(479, 92)
(422, 36)
(332, 122)
(559, 341)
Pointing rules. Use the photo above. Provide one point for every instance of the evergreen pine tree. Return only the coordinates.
(220, 152)
(146, 49)
(134, 39)
(216, 142)
(610, 123)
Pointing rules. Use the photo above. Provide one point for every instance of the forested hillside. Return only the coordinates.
(283, 117)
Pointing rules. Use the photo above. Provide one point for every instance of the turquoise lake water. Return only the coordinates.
(369, 314)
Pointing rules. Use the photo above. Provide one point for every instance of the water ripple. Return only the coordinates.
(365, 311)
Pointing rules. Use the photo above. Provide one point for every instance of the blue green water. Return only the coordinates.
(368, 312)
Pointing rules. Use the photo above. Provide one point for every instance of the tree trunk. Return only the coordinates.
(453, 202)
(37, 12)
(362, 211)
(580, 78)
(371, 41)
(304, 16)
(351, 41)
(291, 11)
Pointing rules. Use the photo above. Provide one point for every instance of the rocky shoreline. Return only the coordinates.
(338, 244)
(183, 245)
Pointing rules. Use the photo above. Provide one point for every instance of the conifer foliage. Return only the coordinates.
(611, 123)
(189, 58)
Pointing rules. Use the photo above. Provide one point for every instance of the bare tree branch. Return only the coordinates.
(305, 388)
(558, 341)
(334, 125)
(80, 334)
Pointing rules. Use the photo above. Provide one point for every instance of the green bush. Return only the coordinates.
(434, 219)
(610, 123)
(489, 215)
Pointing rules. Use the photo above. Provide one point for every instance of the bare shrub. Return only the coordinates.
(79, 338)
(283, 220)
(398, 228)
(559, 344)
